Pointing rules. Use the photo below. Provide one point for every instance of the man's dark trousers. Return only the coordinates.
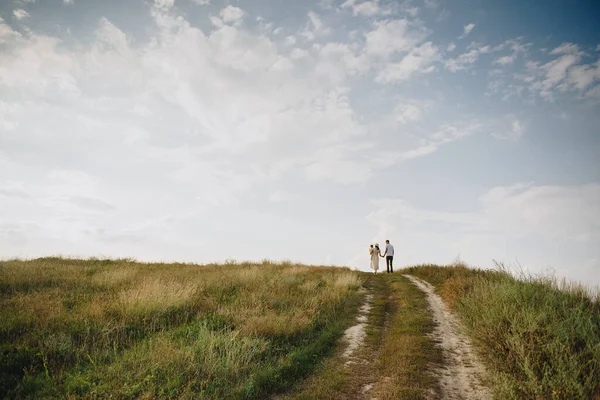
(388, 263)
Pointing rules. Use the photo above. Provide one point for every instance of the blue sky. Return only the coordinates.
(198, 130)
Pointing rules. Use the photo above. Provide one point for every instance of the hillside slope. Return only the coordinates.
(100, 328)
(539, 339)
(121, 329)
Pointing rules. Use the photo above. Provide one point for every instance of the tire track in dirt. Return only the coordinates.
(461, 376)
(355, 335)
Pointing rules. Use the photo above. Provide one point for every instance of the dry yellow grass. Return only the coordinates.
(115, 276)
(102, 328)
(154, 295)
(539, 336)
(27, 310)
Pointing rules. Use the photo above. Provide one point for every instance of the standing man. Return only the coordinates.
(389, 256)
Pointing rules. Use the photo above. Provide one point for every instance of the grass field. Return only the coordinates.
(540, 339)
(121, 329)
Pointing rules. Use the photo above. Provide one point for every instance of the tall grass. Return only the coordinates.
(540, 338)
(117, 328)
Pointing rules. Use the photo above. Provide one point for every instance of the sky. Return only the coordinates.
(210, 130)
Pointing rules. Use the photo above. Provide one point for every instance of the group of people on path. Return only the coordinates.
(375, 253)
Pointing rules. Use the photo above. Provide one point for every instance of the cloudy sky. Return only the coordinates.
(204, 130)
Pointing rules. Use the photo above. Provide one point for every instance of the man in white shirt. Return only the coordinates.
(389, 256)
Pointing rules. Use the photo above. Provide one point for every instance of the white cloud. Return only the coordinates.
(485, 49)
(216, 21)
(556, 71)
(297, 54)
(561, 74)
(232, 14)
(326, 4)
(430, 143)
(505, 60)
(165, 4)
(432, 4)
(341, 171)
(20, 14)
(411, 11)
(582, 76)
(367, 8)
(73, 1)
(315, 27)
(451, 47)
(512, 128)
(463, 61)
(495, 72)
(418, 61)
(466, 30)
(516, 46)
(517, 128)
(184, 78)
(202, 2)
(290, 40)
(551, 211)
(112, 37)
(446, 134)
(340, 60)
(33, 65)
(411, 111)
(566, 48)
(8, 112)
(280, 196)
(420, 151)
(395, 36)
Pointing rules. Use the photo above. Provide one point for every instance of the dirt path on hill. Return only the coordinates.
(351, 372)
(461, 375)
(403, 343)
(355, 335)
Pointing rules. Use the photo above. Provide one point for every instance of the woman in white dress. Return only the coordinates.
(374, 252)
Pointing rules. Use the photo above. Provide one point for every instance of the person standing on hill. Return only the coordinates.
(374, 252)
(389, 256)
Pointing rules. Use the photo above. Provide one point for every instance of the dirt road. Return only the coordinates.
(460, 377)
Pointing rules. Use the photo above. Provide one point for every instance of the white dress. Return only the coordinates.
(374, 259)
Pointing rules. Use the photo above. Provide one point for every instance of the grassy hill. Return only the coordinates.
(122, 329)
(540, 339)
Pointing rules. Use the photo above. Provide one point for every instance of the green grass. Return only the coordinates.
(397, 344)
(332, 378)
(408, 352)
(540, 340)
(121, 329)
